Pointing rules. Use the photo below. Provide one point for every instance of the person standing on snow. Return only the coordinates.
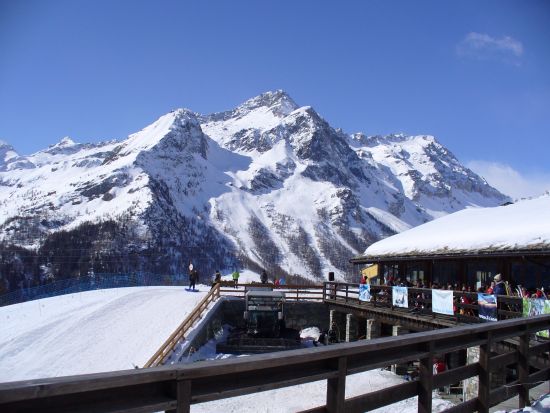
(217, 278)
(235, 276)
(193, 278)
(263, 277)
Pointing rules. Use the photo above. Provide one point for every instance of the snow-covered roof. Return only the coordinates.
(523, 226)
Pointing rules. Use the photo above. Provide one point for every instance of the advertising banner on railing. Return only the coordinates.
(536, 306)
(364, 292)
(487, 306)
(442, 302)
(400, 297)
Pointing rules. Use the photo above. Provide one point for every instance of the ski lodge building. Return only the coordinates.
(470, 247)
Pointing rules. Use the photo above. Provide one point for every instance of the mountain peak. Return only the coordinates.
(10, 159)
(182, 115)
(278, 101)
(5, 145)
(66, 141)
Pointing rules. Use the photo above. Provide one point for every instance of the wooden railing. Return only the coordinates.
(162, 354)
(420, 299)
(174, 388)
(292, 292)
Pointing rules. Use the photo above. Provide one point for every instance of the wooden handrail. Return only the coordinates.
(178, 386)
(292, 292)
(179, 333)
(508, 306)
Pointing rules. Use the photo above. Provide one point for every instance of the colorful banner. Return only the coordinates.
(442, 302)
(487, 306)
(364, 292)
(400, 297)
(536, 306)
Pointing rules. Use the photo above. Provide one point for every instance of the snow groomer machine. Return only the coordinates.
(264, 327)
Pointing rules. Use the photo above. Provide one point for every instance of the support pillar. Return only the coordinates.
(331, 317)
(470, 385)
(373, 328)
(395, 331)
(348, 327)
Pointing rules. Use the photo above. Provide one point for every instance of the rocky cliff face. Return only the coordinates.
(267, 184)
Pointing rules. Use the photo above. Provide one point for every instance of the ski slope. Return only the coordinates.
(117, 329)
(89, 332)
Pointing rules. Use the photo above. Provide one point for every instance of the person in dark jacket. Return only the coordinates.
(193, 278)
(500, 288)
(217, 278)
(263, 277)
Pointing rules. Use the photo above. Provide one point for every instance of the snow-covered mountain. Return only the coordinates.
(267, 184)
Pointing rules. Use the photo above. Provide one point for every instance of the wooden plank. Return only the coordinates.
(139, 398)
(464, 407)
(42, 388)
(383, 397)
(538, 377)
(503, 393)
(455, 375)
(539, 348)
(230, 385)
(318, 409)
(497, 362)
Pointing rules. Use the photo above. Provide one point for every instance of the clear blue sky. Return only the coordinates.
(476, 74)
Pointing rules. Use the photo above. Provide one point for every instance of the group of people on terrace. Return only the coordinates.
(497, 287)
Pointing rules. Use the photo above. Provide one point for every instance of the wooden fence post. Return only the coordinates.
(183, 397)
(484, 386)
(523, 370)
(336, 388)
(425, 382)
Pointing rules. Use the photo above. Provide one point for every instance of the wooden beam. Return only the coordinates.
(523, 370)
(383, 397)
(184, 396)
(484, 389)
(425, 384)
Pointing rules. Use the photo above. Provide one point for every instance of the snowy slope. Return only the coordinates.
(115, 329)
(521, 226)
(89, 332)
(268, 184)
